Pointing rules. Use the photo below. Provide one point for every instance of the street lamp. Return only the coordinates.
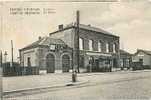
(1, 75)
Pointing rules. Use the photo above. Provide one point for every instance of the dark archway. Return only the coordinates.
(65, 63)
(50, 63)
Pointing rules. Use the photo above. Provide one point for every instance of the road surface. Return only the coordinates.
(113, 86)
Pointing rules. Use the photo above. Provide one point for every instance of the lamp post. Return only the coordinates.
(1, 75)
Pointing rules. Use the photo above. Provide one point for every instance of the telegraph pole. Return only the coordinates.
(12, 53)
(77, 32)
(1, 76)
(76, 53)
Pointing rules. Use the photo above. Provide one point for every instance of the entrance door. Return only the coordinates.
(96, 65)
(50, 63)
(115, 63)
(65, 63)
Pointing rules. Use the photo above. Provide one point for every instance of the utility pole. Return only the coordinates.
(1, 75)
(76, 53)
(12, 52)
(77, 33)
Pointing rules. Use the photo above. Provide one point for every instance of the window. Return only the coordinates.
(28, 62)
(80, 43)
(81, 63)
(114, 48)
(91, 45)
(141, 60)
(107, 47)
(100, 46)
(127, 62)
(121, 63)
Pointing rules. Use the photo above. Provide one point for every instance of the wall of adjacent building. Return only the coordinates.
(141, 55)
(32, 53)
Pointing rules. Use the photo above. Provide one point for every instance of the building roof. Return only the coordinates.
(145, 51)
(86, 27)
(124, 52)
(44, 41)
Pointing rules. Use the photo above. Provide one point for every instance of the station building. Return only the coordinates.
(97, 49)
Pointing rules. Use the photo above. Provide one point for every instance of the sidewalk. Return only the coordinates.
(33, 82)
(55, 80)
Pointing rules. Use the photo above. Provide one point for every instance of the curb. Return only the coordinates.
(114, 72)
(39, 89)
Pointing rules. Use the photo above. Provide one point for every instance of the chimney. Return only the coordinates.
(39, 38)
(60, 27)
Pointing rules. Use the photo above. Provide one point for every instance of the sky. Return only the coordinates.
(129, 19)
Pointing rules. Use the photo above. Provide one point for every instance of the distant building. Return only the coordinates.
(142, 56)
(98, 49)
(125, 59)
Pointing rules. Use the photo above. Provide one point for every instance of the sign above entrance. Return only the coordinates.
(98, 54)
(52, 47)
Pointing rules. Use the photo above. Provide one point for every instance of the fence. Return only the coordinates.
(19, 71)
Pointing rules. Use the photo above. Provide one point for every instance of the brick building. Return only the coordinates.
(98, 49)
